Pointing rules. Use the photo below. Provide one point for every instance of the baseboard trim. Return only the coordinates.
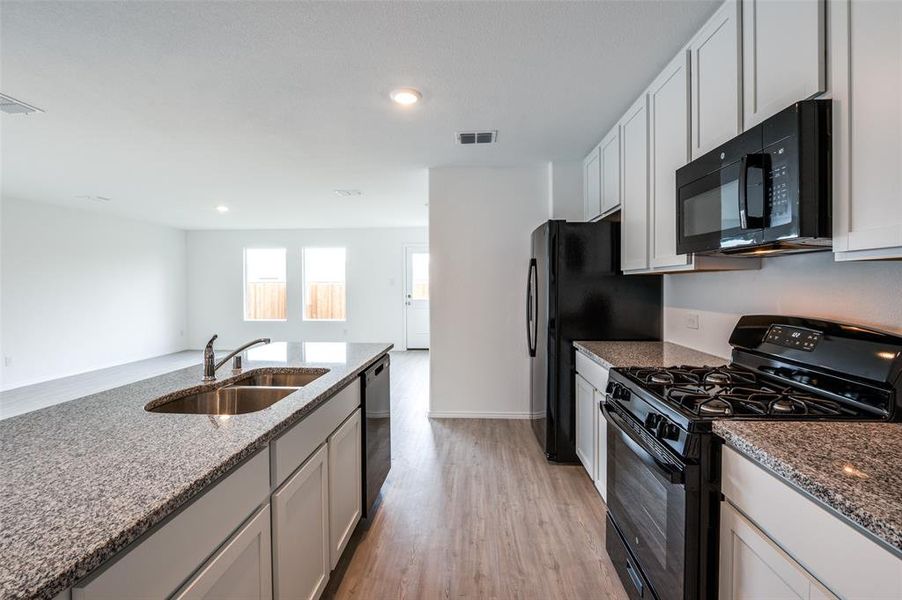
(467, 414)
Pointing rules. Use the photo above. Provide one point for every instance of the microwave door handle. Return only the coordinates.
(750, 161)
(664, 470)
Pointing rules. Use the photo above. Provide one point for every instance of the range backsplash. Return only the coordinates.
(813, 285)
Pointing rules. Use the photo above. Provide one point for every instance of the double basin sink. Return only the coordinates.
(256, 392)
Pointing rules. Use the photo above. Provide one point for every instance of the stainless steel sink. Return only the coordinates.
(295, 379)
(229, 400)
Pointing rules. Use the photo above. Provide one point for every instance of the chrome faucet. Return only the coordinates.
(210, 364)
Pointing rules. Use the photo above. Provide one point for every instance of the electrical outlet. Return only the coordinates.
(692, 321)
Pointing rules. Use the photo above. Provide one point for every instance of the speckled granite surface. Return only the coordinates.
(852, 468)
(81, 480)
(646, 354)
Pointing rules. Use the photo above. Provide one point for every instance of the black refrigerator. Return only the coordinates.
(576, 291)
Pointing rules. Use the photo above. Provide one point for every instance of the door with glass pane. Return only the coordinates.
(416, 296)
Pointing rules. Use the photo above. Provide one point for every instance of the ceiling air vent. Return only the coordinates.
(16, 107)
(347, 193)
(477, 137)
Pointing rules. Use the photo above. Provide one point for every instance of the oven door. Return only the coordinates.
(647, 502)
(723, 211)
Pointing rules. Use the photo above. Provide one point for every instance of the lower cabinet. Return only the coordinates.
(241, 570)
(585, 424)
(300, 526)
(591, 426)
(345, 485)
(753, 566)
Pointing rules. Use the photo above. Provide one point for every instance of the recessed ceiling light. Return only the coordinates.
(406, 96)
(10, 105)
(94, 198)
(222, 209)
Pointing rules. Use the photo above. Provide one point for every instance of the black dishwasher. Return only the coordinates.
(376, 445)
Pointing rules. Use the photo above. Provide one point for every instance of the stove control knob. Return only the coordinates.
(667, 431)
(621, 392)
(653, 421)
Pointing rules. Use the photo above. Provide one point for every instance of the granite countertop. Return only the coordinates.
(646, 354)
(81, 480)
(851, 468)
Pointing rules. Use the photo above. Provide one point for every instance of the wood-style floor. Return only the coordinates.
(471, 509)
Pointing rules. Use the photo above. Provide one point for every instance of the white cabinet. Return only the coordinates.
(783, 57)
(668, 110)
(809, 538)
(753, 566)
(610, 171)
(601, 445)
(241, 570)
(585, 424)
(591, 382)
(345, 493)
(634, 187)
(592, 184)
(865, 50)
(163, 560)
(300, 509)
(715, 67)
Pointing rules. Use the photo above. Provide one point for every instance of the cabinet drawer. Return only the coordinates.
(157, 565)
(810, 534)
(294, 446)
(592, 372)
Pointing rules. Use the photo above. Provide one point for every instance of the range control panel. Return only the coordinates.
(793, 337)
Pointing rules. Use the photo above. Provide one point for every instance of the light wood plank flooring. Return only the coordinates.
(471, 509)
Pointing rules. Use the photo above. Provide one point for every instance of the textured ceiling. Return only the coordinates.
(171, 108)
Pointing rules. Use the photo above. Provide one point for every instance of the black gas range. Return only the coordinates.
(664, 461)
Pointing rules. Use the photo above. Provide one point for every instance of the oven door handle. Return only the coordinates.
(667, 471)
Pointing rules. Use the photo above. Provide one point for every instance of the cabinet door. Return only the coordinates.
(345, 480)
(866, 46)
(716, 103)
(753, 566)
(668, 116)
(610, 171)
(783, 59)
(585, 425)
(592, 184)
(300, 529)
(634, 180)
(601, 447)
(241, 570)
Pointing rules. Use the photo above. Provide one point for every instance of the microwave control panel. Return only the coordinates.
(793, 337)
(779, 189)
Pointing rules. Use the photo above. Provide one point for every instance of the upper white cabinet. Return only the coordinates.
(865, 51)
(783, 57)
(610, 171)
(668, 110)
(592, 184)
(634, 186)
(716, 58)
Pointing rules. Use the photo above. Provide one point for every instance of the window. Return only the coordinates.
(419, 276)
(264, 284)
(324, 284)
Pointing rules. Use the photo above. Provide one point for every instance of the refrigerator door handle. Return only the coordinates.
(532, 308)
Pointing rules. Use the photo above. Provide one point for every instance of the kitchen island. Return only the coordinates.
(83, 480)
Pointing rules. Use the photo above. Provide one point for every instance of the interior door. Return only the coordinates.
(416, 296)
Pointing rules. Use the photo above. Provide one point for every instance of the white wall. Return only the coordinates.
(83, 291)
(565, 184)
(375, 268)
(866, 293)
(480, 221)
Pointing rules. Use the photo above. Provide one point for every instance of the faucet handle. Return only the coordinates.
(210, 343)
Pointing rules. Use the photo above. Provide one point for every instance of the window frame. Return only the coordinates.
(244, 283)
(304, 317)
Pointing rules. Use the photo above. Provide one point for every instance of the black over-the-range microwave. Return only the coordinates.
(766, 191)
